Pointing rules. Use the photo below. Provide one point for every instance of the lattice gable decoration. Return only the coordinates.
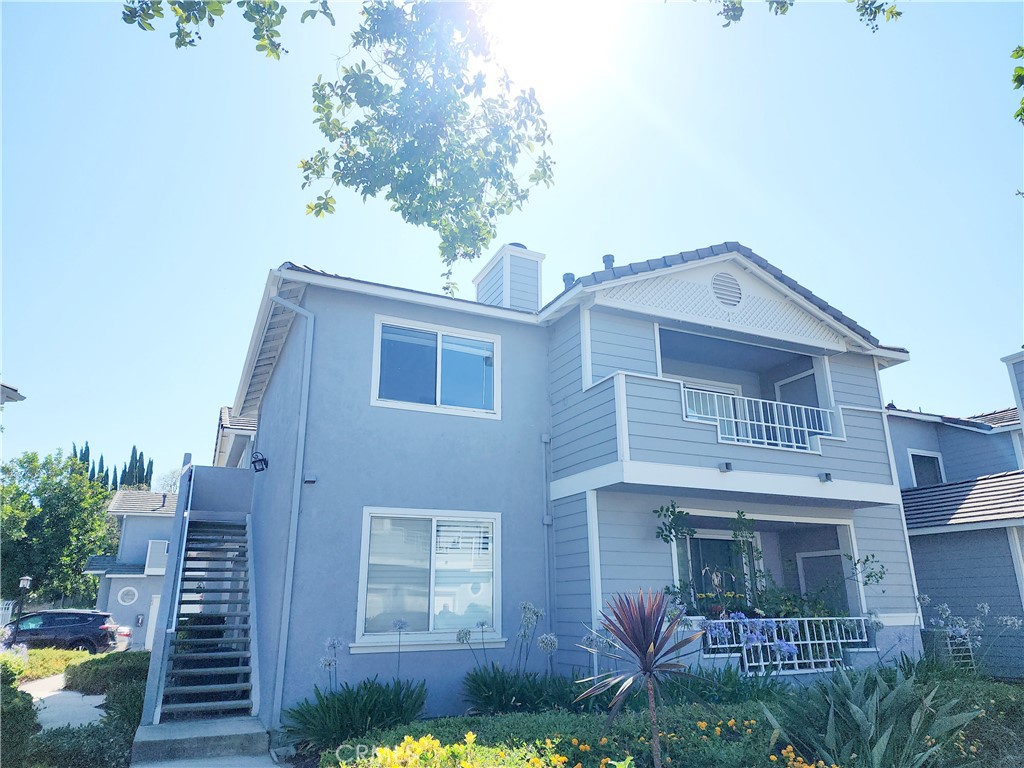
(724, 295)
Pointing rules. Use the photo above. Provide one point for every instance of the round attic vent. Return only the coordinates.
(726, 289)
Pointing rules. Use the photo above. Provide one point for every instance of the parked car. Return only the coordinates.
(91, 631)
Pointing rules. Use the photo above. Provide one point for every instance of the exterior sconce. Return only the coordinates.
(725, 466)
(825, 477)
(258, 461)
(25, 582)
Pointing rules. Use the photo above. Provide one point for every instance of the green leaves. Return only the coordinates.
(142, 12)
(423, 119)
(1018, 81)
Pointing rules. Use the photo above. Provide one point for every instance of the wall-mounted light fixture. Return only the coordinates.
(725, 466)
(825, 477)
(258, 461)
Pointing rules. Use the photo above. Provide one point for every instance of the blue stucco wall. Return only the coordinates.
(375, 456)
(137, 530)
(126, 615)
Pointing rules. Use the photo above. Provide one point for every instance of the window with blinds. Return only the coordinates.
(429, 573)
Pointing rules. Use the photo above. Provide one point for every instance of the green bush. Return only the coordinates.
(12, 667)
(725, 685)
(494, 690)
(17, 722)
(353, 711)
(123, 705)
(99, 744)
(690, 736)
(98, 673)
(884, 723)
(44, 662)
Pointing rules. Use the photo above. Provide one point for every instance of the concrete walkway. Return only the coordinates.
(57, 707)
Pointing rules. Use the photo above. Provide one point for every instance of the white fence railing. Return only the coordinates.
(749, 421)
(7, 608)
(786, 646)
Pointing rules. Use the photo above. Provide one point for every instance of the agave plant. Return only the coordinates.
(643, 639)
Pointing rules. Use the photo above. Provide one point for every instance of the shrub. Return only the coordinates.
(726, 685)
(17, 721)
(98, 673)
(493, 690)
(12, 667)
(883, 724)
(99, 744)
(123, 705)
(44, 662)
(353, 711)
(690, 739)
(428, 752)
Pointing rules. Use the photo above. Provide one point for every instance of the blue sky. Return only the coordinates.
(147, 191)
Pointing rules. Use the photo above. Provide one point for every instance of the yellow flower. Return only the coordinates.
(773, 758)
(702, 725)
(584, 747)
(718, 731)
(731, 723)
(603, 741)
(470, 737)
(578, 765)
(575, 742)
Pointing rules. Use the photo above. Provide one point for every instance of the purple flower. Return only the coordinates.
(786, 649)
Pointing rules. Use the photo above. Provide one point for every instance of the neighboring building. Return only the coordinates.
(433, 462)
(130, 583)
(963, 497)
(9, 394)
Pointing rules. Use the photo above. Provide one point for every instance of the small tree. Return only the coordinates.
(643, 639)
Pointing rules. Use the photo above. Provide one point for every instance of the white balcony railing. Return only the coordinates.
(786, 646)
(749, 421)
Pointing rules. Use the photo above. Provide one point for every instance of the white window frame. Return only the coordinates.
(801, 556)
(717, 533)
(383, 642)
(156, 570)
(380, 320)
(789, 380)
(911, 452)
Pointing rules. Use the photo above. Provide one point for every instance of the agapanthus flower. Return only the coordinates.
(463, 636)
(399, 625)
(548, 643)
(786, 649)
(328, 662)
(334, 643)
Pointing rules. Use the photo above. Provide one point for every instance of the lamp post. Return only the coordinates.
(24, 585)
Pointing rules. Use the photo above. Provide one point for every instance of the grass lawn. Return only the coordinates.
(44, 662)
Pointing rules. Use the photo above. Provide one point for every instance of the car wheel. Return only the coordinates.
(83, 645)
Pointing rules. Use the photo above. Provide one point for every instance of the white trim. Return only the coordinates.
(621, 425)
(899, 504)
(790, 380)
(1015, 537)
(506, 283)
(911, 452)
(801, 556)
(1015, 522)
(381, 641)
(586, 349)
(711, 479)
(594, 552)
(900, 619)
(1017, 440)
(851, 532)
(525, 253)
(721, 387)
(657, 349)
(125, 575)
(934, 419)
(409, 643)
(441, 331)
(121, 592)
(254, 630)
(151, 621)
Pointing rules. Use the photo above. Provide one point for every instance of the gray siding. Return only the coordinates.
(384, 457)
(855, 381)
(572, 612)
(966, 455)
(524, 276)
(489, 290)
(632, 558)
(880, 532)
(621, 344)
(136, 531)
(583, 433)
(659, 433)
(907, 434)
(1018, 380)
(966, 568)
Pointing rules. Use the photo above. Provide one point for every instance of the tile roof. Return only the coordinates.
(684, 257)
(136, 502)
(993, 498)
(99, 563)
(108, 565)
(1005, 418)
(229, 421)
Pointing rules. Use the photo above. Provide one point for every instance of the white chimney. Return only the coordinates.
(511, 279)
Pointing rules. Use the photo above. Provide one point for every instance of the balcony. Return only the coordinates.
(750, 421)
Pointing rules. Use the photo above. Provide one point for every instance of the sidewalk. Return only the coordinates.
(57, 707)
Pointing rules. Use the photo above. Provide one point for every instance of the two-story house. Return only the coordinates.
(130, 582)
(963, 496)
(423, 465)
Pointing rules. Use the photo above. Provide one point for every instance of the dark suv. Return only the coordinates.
(90, 631)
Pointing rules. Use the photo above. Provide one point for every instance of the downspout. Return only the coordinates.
(293, 525)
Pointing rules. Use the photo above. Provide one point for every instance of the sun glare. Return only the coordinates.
(558, 47)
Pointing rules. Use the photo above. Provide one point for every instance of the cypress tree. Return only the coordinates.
(132, 469)
(85, 454)
(149, 473)
(113, 484)
(105, 478)
(92, 471)
(100, 470)
(140, 470)
(124, 474)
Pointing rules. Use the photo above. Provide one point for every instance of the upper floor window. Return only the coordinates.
(428, 367)
(926, 468)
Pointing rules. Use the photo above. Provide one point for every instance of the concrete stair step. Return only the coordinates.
(210, 641)
(199, 655)
(201, 739)
(211, 671)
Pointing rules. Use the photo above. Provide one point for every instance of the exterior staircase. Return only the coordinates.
(208, 669)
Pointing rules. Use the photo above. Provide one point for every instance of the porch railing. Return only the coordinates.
(785, 646)
(749, 421)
